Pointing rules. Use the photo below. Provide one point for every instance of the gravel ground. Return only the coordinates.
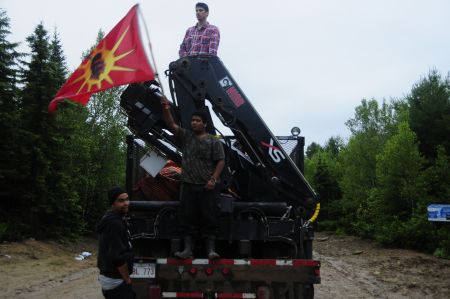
(351, 268)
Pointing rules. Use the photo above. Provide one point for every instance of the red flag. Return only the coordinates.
(118, 59)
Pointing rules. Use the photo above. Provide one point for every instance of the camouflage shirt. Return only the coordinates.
(200, 155)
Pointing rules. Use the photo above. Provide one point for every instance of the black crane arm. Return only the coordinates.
(196, 79)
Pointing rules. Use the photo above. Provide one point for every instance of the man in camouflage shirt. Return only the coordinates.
(202, 164)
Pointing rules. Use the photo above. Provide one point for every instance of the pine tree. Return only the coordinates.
(313, 149)
(10, 133)
(35, 96)
(57, 60)
(8, 66)
(429, 115)
(53, 200)
(65, 153)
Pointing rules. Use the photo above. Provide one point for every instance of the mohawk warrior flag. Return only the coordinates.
(118, 59)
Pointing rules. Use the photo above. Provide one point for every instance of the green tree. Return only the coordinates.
(67, 152)
(312, 149)
(398, 202)
(11, 134)
(8, 66)
(35, 96)
(70, 163)
(334, 145)
(398, 175)
(52, 208)
(323, 171)
(57, 60)
(429, 115)
(107, 150)
(437, 180)
(325, 182)
(369, 128)
(372, 119)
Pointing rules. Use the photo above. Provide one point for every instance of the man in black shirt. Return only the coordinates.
(202, 164)
(115, 259)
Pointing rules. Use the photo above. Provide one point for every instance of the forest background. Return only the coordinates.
(55, 168)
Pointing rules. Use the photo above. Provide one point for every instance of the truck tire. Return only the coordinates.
(303, 291)
(308, 291)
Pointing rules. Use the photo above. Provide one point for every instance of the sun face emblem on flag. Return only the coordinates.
(99, 64)
(118, 59)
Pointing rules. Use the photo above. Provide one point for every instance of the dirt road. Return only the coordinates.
(351, 268)
(38, 270)
(354, 268)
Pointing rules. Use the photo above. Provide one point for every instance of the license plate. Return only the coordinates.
(143, 270)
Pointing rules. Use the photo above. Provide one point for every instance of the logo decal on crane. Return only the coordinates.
(231, 91)
(274, 151)
(225, 82)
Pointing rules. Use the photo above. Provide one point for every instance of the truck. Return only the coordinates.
(267, 207)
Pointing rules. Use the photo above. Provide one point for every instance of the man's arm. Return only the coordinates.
(183, 51)
(123, 270)
(219, 167)
(118, 250)
(167, 116)
(216, 174)
(214, 42)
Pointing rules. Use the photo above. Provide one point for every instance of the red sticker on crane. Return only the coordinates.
(235, 96)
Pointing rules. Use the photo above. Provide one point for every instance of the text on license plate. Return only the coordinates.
(143, 270)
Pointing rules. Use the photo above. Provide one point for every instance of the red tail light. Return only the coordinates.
(317, 271)
(263, 293)
(226, 271)
(193, 270)
(209, 271)
(154, 291)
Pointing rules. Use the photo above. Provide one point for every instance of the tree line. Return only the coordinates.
(395, 163)
(55, 168)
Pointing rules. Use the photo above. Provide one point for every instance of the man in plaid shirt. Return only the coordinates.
(203, 38)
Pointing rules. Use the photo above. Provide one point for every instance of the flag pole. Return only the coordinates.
(151, 50)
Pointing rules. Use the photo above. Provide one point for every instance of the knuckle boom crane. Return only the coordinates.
(267, 205)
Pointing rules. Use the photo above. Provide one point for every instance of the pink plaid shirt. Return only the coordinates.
(203, 41)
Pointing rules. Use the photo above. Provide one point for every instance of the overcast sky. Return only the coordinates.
(301, 63)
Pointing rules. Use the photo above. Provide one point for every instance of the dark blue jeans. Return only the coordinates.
(123, 291)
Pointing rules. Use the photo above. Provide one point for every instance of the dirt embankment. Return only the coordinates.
(38, 270)
(355, 268)
(351, 268)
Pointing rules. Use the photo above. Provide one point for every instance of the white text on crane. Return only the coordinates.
(274, 152)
